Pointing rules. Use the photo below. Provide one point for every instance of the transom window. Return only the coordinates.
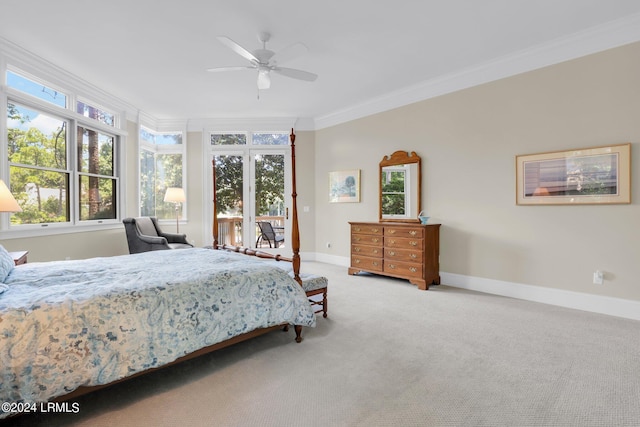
(35, 89)
(254, 138)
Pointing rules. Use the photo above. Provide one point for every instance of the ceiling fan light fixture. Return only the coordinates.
(265, 60)
(264, 80)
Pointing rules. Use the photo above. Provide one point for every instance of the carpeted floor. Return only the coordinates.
(391, 355)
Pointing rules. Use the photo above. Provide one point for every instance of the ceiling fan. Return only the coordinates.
(266, 61)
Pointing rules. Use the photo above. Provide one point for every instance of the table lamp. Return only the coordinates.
(8, 203)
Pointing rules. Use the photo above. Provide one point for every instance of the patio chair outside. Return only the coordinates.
(268, 233)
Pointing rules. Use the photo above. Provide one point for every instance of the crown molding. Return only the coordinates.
(21, 58)
(256, 124)
(596, 39)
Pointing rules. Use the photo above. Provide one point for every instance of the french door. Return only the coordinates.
(253, 185)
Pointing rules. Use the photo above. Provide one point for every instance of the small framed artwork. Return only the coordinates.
(585, 176)
(344, 186)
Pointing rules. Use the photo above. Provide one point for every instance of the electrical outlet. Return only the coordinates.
(328, 244)
(598, 277)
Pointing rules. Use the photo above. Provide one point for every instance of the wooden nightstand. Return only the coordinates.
(19, 257)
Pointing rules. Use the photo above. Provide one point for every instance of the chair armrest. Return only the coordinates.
(175, 237)
(153, 240)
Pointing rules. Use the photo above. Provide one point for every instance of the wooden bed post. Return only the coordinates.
(295, 229)
(215, 205)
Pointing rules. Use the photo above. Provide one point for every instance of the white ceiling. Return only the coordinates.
(369, 54)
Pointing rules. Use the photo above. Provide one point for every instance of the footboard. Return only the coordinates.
(261, 254)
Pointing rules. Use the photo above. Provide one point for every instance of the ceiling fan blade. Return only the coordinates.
(296, 74)
(238, 49)
(217, 69)
(289, 53)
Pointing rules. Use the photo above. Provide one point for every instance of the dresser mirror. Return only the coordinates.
(400, 180)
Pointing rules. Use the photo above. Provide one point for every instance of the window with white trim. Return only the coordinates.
(62, 162)
(161, 166)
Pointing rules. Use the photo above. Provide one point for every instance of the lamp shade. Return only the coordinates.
(175, 195)
(8, 203)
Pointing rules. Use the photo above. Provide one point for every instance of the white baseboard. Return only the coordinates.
(332, 259)
(619, 307)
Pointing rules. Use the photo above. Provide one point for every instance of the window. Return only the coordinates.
(254, 138)
(96, 113)
(229, 139)
(270, 139)
(62, 167)
(96, 175)
(38, 90)
(39, 176)
(161, 165)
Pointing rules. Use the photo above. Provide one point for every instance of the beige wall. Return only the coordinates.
(306, 187)
(468, 141)
(196, 194)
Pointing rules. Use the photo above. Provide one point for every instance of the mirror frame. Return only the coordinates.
(395, 159)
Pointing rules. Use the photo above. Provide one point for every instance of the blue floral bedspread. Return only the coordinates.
(66, 324)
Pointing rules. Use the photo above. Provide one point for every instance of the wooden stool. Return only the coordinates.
(316, 285)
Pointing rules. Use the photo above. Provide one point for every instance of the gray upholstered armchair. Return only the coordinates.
(144, 234)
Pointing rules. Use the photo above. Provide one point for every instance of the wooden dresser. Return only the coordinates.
(404, 250)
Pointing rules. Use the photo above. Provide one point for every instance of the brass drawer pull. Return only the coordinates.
(392, 242)
(375, 263)
(391, 266)
(376, 240)
(413, 269)
(356, 249)
(413, 243)
(357, 261)
(392, 231)
(414, 256)
(392, 253)
(413, 232)
(375, 251)
(375, 230)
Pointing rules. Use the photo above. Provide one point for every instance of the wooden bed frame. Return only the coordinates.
(295, 260)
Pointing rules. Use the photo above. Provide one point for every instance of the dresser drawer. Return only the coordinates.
(406, 255)
(367, 239)
(366, 229)
(403, 243)
(406, 269)
(364, 250)
(416, 233)
(366, 263)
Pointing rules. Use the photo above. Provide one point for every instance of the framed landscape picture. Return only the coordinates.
(585, 176)
(344, 186)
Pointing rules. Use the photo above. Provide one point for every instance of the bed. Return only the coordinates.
(69, 327)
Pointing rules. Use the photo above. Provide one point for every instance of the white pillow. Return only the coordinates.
(6, 263)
